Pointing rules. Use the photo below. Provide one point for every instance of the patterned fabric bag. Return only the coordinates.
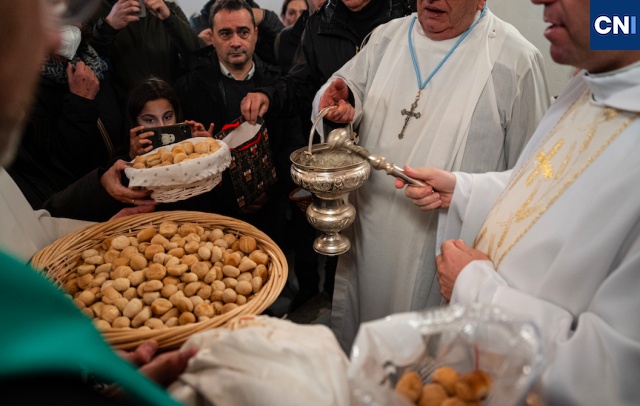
(251, 169)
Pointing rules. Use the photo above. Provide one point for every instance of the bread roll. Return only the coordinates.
(447, 377)
(474, 385)
(410, 386)
(433, 394)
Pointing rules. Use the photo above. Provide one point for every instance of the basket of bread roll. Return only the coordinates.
(453, 355)
(165, 275)
(179, 171)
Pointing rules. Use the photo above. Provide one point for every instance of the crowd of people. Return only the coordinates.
(529, 202)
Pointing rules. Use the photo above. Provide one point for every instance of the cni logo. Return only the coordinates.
(625, 25)
(614, 24)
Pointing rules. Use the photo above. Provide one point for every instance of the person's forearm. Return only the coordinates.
(103, 37)
(84, 199)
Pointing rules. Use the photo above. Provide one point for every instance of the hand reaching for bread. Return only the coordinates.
(128, 211)
(162, 368)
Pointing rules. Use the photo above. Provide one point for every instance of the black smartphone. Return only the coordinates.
(143, 10)
(168, 134)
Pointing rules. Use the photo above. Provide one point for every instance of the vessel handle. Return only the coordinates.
(321, 115)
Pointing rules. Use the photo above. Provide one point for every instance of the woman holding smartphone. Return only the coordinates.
(153, 103)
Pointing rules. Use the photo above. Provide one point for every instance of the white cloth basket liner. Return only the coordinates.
(184, 173)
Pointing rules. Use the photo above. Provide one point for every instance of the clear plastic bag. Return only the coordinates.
(462, 337)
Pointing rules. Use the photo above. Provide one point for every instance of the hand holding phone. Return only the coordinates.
(124, 12)
(157, 8)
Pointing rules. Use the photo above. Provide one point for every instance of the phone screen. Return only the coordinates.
(169, 134)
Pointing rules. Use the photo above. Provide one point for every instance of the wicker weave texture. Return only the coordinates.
(61, 258)
(170, 194)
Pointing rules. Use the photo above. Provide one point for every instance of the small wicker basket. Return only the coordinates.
(182, 180)
(59, 259)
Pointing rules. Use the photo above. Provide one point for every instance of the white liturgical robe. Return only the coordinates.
(562, 230)
(476, 114)
(25, 231)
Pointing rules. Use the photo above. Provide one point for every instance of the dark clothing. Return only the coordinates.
(234, 91)
(149, 47)
(62, 141)
(364, 21)
(329, 40)
(287, 42)
(207, 96)
(85, 199)
(286, 46)
(332, 36)
(55, 389)
(268, 29)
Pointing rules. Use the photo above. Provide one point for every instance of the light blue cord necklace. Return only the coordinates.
(421, 84)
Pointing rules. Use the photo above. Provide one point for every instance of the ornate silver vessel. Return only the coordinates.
(330, 175)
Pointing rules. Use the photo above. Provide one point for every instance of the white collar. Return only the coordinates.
(619, 89)
(228, 74)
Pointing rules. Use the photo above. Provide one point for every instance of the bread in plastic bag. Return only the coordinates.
(465, 338)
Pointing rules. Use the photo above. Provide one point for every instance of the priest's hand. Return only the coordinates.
(337, 94)
(254, 105)
(437, 193)
(454, 257)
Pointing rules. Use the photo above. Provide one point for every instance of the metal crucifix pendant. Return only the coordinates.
(409, 114)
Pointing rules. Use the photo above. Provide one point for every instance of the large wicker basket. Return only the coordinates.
(62, 257)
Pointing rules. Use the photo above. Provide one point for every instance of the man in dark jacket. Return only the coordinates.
(266, 20)
(74, 124)
(212, 92)
(332, 36)
(156, 44)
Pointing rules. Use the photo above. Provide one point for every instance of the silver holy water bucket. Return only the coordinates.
(329, 174)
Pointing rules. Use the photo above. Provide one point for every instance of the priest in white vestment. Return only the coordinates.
(25, 231)
(477, 110)
(557, 239)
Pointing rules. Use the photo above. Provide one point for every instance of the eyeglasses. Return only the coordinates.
(70, 11)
